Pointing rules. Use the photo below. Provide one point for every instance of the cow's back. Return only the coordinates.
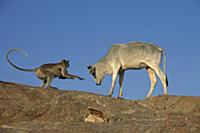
(133, 53)
(147, 48)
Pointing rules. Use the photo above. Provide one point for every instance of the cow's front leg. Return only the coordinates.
(121, 79)
(114, 77)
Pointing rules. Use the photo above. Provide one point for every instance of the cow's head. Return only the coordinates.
(97, 74)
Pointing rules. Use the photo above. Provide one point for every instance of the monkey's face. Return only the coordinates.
(66, 63)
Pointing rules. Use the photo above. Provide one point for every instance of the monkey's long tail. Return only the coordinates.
(19, 68)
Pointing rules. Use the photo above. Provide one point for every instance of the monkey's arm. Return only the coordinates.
(70, 76)
(66, 75)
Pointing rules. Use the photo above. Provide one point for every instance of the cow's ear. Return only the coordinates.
(89, 67)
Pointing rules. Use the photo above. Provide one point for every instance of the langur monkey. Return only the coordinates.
(46, 72)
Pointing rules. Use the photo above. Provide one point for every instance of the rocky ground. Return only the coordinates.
(36, 110)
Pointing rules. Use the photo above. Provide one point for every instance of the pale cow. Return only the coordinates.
(133, 55)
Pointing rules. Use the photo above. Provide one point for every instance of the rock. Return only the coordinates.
(33, 109)
(94, 116)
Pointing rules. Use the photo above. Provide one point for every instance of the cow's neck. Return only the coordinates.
(105, 65)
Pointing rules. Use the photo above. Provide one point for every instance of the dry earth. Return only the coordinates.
(26, 109)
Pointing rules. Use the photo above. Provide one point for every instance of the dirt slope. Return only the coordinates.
(32, 109)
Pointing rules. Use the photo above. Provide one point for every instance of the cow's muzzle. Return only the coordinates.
(98, 84)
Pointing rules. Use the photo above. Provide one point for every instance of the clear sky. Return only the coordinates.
(83, 31)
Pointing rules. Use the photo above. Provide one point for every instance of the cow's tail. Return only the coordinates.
(164, 65)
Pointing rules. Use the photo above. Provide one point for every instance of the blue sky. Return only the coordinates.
(83, 31)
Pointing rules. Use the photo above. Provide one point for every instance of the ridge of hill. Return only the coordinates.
(25, 108)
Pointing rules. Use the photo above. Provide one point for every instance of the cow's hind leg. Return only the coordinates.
(163, 79)
(121, 79)
(153, 80)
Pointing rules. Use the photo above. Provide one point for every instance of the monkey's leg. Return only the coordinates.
(49, 80)
(43, 83)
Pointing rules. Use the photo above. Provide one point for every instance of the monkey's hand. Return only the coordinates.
(80, 78)
(62, 77)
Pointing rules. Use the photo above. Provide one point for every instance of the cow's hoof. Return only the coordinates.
(109, 95)
(147, 97)
(120, 98)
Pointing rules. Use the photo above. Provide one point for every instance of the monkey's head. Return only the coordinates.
(65, 62)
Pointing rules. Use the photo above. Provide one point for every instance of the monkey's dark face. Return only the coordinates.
(66, 62)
